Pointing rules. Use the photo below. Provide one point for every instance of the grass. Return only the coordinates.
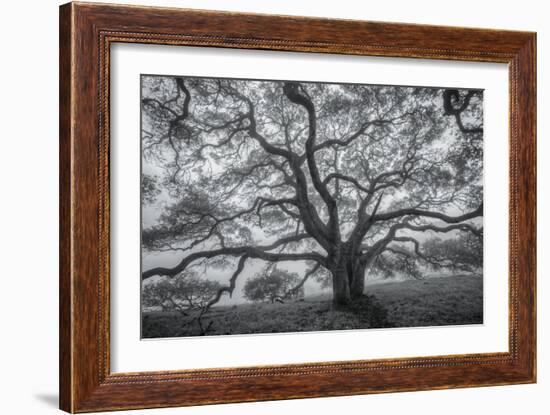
(431, 302)
(442, 301)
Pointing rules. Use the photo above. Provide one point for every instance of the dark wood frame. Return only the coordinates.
(86, 33)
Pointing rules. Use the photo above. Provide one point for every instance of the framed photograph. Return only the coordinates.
(260, 207)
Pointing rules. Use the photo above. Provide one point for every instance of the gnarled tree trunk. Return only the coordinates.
(341, 294)
(351, 266)
(348, 282)
(358, 280)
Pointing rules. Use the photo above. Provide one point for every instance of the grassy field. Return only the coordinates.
(430, 302)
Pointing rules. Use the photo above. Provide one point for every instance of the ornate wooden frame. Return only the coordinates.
(86, 33)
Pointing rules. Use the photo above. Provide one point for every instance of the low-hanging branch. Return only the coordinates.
(260, 252)
(231, 287)
(429, 214)
(298, 286)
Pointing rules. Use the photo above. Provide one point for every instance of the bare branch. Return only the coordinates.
(297, 94)
(261, 252)
(306, 276)
(426, 213)
(229, 288)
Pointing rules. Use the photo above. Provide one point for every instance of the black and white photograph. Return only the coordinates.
(282, 206)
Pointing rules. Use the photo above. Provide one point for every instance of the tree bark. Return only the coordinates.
(341, 294)
(358, 281)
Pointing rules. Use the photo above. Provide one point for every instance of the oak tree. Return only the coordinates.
(337, 177)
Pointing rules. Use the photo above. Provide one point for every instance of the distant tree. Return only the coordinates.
(325, 174)
(275, 285)
(186, 294)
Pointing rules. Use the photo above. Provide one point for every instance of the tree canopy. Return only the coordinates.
(344, 178)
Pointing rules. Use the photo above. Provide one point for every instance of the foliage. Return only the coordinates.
(149, 188)
(398, 263)
(461, 253)
(186, 294)
(270, 286)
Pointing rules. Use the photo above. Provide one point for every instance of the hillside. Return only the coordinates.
(431, 302)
